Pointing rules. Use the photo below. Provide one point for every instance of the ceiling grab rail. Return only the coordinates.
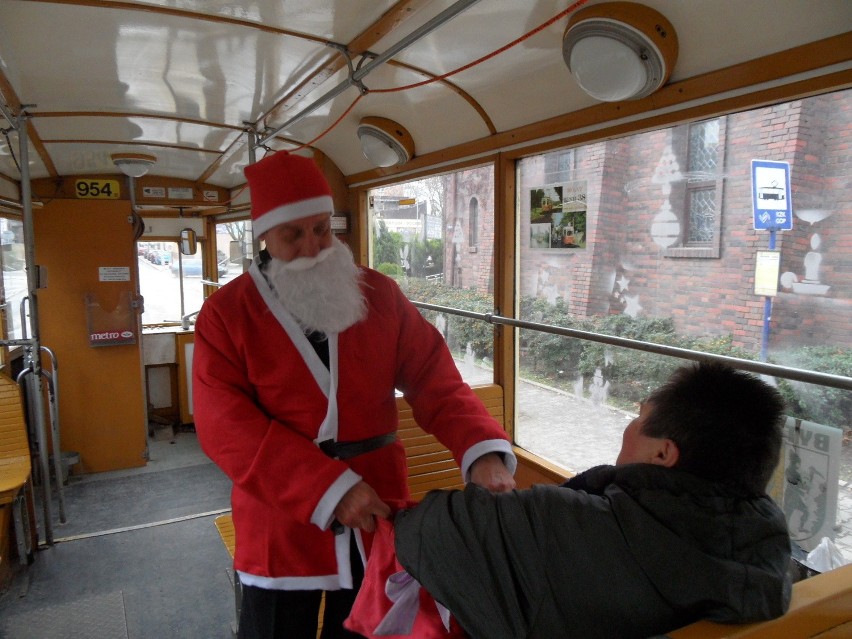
(355, 76)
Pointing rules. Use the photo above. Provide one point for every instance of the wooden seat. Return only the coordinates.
(225, 526)
(821, 608)
(430, 466)
(15, 468)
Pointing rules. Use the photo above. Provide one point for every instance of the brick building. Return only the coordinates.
(671, 226)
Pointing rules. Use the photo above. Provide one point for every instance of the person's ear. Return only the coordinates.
(667, 453)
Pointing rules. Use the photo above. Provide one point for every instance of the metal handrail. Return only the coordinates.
(763, 368)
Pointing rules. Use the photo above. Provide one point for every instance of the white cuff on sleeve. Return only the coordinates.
(476, 451)
(323, 514)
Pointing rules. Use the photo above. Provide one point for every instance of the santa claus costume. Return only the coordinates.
(265, 401)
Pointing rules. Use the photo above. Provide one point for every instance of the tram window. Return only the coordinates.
(423, 235)
(12, 260)
(233, 249)
(668, 255)
(169, 282)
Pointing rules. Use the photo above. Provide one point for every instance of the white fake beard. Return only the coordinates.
(322, 293)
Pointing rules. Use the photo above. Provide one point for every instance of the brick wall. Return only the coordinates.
(625, 269)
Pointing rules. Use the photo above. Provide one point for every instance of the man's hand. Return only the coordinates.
(360, 506)
(490, 472)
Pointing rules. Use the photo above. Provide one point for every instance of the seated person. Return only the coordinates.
(680, 529)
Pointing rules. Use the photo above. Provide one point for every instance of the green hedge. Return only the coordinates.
(632, 374)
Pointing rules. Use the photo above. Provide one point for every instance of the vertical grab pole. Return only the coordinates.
(32, 287)
(53, 410)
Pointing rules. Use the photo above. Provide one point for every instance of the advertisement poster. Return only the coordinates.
(558, 216)
(806, 484)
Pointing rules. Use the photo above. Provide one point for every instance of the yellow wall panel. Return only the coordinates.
(101, 398)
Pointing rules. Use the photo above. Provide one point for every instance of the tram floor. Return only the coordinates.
(139, 556)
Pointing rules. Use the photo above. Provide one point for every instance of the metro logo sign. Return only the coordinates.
(112, 338)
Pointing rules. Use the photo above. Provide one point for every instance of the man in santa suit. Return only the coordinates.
(295, 367)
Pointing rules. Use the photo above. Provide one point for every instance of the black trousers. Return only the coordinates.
(293, 614)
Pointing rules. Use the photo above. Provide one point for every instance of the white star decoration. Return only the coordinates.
(631, 305)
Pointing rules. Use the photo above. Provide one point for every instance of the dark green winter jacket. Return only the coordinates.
(616, 552)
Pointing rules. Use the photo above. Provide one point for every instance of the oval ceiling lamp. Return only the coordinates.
(619, 50)
(385, 142)
(133, 164)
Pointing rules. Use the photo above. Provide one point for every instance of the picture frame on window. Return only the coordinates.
(558, 216)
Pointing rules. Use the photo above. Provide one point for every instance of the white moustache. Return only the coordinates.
(304, 263)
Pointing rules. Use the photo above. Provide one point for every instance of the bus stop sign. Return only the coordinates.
(770, 189)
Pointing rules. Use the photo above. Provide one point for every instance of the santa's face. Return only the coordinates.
(302, 238)
(322, 292)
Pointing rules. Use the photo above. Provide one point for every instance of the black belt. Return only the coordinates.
(348, 450)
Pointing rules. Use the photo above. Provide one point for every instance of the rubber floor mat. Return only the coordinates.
(100, 616)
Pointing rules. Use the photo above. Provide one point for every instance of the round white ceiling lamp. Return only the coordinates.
(133, 164)
(385, 142)
(619, 50)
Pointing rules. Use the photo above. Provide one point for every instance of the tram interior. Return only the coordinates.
(688, 197)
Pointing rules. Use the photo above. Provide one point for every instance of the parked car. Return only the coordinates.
(191, 267)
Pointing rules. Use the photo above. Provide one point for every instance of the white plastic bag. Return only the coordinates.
(826, 556)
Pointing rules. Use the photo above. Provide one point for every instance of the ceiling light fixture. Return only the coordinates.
(133, 164)
(619, 50)
(384, 142)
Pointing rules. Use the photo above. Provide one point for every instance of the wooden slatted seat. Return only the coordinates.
(225, 526)
(430, 466)
(821, 608)
(15, 467)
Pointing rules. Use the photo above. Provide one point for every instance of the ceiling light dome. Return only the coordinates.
(385, 142)
(619, 50)
(133, 164)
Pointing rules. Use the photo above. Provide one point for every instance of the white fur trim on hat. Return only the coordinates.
(293, 211)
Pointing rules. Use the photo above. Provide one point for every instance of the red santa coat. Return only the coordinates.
(259, 398)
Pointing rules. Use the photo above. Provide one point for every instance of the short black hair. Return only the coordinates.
(726, 423)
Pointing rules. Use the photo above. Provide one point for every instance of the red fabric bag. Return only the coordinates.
(391, 603)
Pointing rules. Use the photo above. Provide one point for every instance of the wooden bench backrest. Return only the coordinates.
(430, 464)
(821, 607)
(15, 462)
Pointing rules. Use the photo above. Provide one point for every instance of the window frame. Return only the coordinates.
(694, 182)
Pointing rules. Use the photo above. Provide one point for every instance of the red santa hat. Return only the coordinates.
(286, 187)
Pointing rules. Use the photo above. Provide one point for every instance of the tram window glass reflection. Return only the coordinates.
(233, 249)
(669, 257)
(13, 262)
(422, 234)
(169, 282)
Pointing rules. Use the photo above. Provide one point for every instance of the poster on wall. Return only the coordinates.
(806, 481)
(558, 216)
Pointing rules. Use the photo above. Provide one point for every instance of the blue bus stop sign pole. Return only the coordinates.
(767, 308)
(773, 211)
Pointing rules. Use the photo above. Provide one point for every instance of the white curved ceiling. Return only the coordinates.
(184, 80)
